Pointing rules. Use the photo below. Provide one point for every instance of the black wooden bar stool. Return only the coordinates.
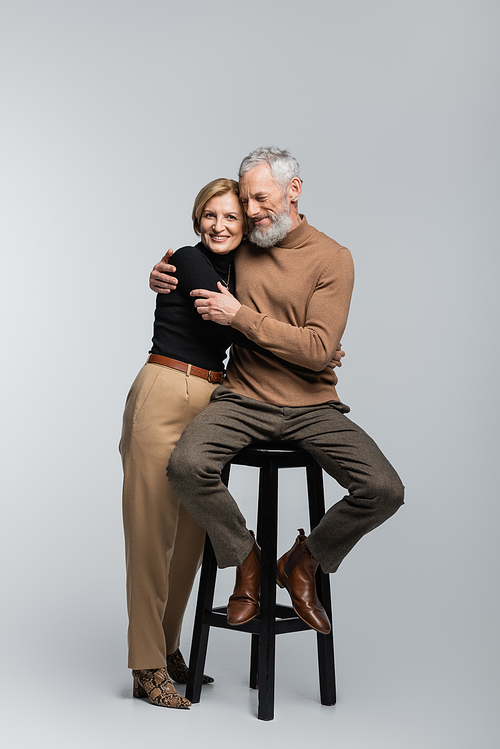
(273, 618)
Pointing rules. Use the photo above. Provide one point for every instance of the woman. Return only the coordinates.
(163, 543)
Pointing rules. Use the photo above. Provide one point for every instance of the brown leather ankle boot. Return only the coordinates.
(296, 572)
(244, 604)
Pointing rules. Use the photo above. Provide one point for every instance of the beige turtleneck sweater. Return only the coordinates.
(295, 300)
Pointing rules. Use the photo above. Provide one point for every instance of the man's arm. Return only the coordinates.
(310, 346)
(222, 308)
(159, 280)
(162, 283)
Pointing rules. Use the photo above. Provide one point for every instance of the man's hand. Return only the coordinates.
(336, 360)
(159, 280)
(220, 308)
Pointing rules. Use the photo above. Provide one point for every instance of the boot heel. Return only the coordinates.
(139, 690)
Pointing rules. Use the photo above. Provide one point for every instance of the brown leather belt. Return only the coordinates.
(207, 374)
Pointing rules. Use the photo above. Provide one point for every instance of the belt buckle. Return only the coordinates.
(210, 373)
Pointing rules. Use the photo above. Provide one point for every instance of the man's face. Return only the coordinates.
(261, 196)
(266, 206)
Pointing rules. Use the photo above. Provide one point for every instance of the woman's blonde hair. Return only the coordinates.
(219, 186)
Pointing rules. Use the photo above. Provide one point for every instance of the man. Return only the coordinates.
(294, 286)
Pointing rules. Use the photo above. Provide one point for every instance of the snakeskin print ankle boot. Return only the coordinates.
(178, 670)
(155, 684)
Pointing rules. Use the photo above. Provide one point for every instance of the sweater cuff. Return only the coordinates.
(244, 319)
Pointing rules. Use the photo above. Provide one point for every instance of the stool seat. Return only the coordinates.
(273, 619)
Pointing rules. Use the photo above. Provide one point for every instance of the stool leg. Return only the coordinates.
(326, 656)
(204, 603)
(254, 651)
(267, 529)
(254, 662)
(201, 630)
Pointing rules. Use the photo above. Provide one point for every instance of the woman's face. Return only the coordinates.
(222, 223)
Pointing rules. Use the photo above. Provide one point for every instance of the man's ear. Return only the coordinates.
(294, 189)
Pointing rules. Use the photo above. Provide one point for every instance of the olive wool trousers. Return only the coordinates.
(232, 422)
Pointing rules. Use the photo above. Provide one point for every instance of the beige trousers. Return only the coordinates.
(163, 544)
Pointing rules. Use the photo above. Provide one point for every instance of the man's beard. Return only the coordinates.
(271, 235)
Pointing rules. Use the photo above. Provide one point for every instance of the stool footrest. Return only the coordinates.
(281, 612)
(286, 621)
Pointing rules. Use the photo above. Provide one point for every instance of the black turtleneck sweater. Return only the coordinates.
(179, 331)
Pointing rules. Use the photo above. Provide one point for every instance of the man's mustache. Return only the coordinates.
(252, 220)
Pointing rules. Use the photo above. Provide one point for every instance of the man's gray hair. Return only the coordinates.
(282, 164)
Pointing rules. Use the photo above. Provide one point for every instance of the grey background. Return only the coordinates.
(113, 115)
